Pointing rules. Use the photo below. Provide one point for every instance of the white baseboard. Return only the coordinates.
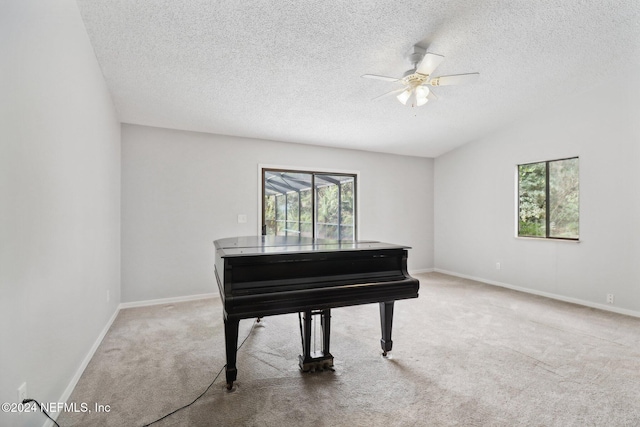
(423, 270)
(76, 377)
(543, 294)
(166, 300)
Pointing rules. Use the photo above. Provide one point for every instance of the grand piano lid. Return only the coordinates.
(267, 245)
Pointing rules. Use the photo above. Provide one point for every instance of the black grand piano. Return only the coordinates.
(265, 275)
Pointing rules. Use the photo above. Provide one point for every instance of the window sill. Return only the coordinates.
(544, 239)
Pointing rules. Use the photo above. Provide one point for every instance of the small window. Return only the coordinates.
(549, 199)
(308, 204)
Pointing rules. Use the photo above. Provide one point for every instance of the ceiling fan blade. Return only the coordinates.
(457, 79)
(429, 63)
(385, 78)
(389, 93)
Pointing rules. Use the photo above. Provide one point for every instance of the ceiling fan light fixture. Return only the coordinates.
(421, 95)
(404, 96)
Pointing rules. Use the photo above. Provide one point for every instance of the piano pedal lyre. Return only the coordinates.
(317, 360)
(315, 363)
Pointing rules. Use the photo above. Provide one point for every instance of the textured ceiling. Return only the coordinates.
(290, 70)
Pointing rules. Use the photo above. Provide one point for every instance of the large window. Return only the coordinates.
(308, 204)
(548, 199)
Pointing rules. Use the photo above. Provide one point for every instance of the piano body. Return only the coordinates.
(267, 275)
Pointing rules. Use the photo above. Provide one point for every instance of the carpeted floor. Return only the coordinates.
(465, 354)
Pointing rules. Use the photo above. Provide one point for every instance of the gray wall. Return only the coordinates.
(182, 190)
(59, 201)
(475, 202)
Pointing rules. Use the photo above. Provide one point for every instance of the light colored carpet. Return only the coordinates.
(465, 354)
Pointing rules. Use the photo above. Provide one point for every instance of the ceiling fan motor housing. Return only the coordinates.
(413, 79)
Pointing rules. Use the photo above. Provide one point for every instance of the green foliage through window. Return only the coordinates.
(548, 199)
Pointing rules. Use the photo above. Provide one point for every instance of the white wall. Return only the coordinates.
(475, 200)
(59, 201)
(183, 190)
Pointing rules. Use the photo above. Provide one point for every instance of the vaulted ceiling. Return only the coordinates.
(290, 70)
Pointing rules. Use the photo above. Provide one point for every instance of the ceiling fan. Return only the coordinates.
(416, 81)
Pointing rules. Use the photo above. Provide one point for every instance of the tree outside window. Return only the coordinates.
(548, 199)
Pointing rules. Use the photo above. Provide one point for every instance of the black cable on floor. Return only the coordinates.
(25, 401)
(204, 392)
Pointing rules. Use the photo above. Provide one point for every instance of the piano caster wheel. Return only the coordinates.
(230, 386)
(384, 354)
(258, 320)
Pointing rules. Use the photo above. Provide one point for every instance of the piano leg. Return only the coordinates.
(386, 320)
(231, 344)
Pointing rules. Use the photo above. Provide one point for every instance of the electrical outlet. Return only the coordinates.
(242, 218)
(610, 299)
(498, 266)
(22, 392)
